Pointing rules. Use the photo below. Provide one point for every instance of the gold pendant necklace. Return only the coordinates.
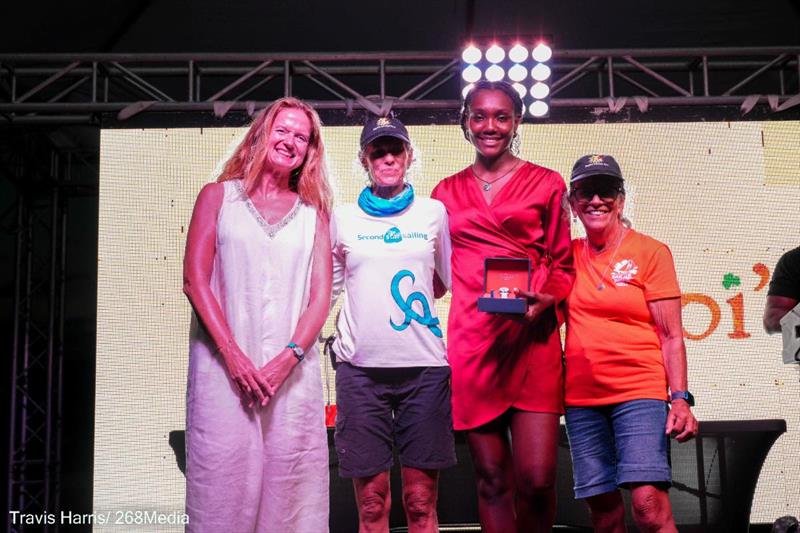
(601, 286)
(487, 185)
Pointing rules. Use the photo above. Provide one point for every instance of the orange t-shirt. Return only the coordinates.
(613, 353)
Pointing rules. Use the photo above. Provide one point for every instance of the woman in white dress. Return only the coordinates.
(257, 272)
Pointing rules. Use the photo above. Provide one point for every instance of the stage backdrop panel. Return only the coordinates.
(724, 196)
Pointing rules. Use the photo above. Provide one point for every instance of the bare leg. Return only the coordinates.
(420, 490)
(608, 512)
(374, 501)
(534, 440)
(652, 510)
(491, 457)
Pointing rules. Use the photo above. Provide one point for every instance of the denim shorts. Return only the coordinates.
(378, 408)
(620, 444)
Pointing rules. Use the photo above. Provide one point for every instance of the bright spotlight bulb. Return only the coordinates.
(517, 73)
(539, 108)
(540, 72)
(471, 54)
(465, 91)
(495, 54)
(542, 53)
(520, 89)
(471, 74)
(540, 90)
(518, 54)
(495, 73)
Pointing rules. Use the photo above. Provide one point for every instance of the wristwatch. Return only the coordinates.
(683, 395)
(298, 351)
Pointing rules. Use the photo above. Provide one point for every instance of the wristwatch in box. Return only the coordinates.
(500, 276)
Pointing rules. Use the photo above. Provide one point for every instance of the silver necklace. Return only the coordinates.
(601, 286)
(487, 185)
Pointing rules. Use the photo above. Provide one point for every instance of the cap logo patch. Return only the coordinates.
(383, 122)
(595, 160)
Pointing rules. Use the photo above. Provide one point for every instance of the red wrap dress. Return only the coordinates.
(498, 363)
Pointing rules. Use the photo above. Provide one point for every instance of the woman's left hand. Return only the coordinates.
(681, 422)
(278, 369)
(538, 303)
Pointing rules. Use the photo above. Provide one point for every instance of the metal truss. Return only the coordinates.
(94, 88)
(34, 459)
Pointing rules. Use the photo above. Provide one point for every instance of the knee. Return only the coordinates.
(651, 509)
(535, 484)
(493, 483)
(420, 503)
(373, 506)
(607, 510)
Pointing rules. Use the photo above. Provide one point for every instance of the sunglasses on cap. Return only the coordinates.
(604, 191)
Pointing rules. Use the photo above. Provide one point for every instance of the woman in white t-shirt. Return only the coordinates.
(392, 378)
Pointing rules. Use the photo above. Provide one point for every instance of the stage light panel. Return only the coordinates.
(540, 90)
(513, 59)
(542, 53)
(495, 73)
(495, 54)
(471, 74)
(517, 73)
(539, 108)
(540, 72)
(466, 90)
(518, 53)
(471, 54)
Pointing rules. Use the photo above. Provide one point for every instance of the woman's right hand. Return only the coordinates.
(253, 388)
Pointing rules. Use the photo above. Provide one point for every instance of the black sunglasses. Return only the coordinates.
(605, 191)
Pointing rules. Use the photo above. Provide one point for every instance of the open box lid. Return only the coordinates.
(509, 272)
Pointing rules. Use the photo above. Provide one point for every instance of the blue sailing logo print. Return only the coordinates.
(392, 235)
(426, 318)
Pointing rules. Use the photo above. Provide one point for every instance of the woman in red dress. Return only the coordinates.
(507, 381)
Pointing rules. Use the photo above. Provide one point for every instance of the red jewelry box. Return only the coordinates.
(501, 275)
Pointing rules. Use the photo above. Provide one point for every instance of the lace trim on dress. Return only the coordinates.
(270, 229)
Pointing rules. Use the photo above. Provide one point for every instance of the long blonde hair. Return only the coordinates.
(309, 180)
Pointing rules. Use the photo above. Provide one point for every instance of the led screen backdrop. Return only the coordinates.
(724, 196)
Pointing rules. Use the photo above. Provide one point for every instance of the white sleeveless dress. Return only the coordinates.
(257, 469)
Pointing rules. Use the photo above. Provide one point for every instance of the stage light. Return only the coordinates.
(495, 54)
(495, 73)
(466, 90)
(513, 59)
(540, 72)
(471, 74)
(517, 73)
(539, 108)
(540, 90)
(542, 53)
(471, 54)
(518, 53)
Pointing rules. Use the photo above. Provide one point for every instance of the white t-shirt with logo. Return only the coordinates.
(386, 267)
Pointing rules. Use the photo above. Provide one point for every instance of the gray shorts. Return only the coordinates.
(378, 408)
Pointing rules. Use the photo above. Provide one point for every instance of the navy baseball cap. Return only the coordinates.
(595, 165)
(383, 127)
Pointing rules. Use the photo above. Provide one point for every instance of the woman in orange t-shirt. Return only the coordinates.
(624, 352)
